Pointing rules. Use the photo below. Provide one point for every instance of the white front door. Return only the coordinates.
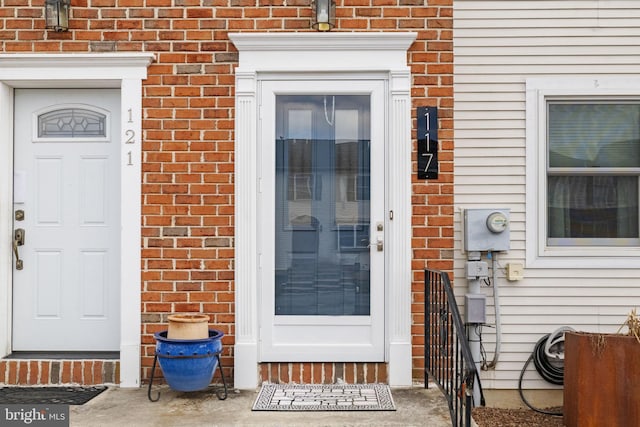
(322, 199)
(66, 204)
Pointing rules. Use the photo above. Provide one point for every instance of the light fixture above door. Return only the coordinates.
(56, 14)
(323, 15)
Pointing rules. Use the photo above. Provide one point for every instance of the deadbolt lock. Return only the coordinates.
(19, 215)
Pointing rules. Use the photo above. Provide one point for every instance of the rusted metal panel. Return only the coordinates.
(601, 380)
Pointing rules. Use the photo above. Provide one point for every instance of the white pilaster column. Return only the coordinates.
(130, 231)
(246, 232)
(399, 253)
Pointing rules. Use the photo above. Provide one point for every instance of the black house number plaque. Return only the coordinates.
(427, 142)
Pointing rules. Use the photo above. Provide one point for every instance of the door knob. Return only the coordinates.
(18, 240)
(379, 244)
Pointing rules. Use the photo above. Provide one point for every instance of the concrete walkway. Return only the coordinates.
(116, 406)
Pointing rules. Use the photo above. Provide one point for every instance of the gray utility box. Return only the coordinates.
(486, 230)
(475, 308)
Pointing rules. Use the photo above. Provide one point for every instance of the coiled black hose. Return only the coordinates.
(551, 373)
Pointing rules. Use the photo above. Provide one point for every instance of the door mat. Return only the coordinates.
(324, 397)
(49, 395)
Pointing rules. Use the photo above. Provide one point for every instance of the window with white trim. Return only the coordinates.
(583, 172)
(593, 164)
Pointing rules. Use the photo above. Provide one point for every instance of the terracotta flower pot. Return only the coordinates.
(188, 326)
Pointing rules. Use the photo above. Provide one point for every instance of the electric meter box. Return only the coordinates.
(486, 230)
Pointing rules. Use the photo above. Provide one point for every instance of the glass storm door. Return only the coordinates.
(322, 199)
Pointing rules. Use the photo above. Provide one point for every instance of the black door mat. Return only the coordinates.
(49, 395)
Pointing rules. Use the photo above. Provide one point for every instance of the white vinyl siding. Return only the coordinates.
(498, 45)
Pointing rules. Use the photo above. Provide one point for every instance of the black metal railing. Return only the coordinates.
(448, 360)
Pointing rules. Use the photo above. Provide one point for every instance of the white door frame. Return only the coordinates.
(321, 55)
(105, 70)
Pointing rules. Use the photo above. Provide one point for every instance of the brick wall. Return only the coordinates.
(187, 223)
(59, 372)
(324, 373)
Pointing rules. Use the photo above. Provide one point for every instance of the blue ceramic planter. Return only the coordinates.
(188, 365)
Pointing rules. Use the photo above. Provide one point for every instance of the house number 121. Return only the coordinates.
(130, 135)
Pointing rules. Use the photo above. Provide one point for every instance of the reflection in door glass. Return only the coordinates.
(322, 205)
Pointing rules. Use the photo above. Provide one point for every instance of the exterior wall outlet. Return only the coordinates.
(515, 271)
